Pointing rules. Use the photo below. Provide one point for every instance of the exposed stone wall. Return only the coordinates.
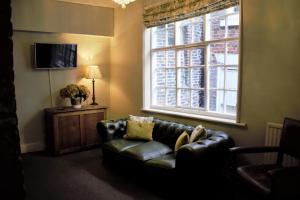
(11, 177)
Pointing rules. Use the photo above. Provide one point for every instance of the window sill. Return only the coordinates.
(193, 116)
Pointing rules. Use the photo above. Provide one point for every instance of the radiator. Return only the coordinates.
(273, 134)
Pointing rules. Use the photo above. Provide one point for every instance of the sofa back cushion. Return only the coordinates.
(168, 132)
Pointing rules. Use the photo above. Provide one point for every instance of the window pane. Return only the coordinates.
(159, 78)
(184, 97)
(217, 28)
(159, 36)
(198, 77)
(171, 78)
(231, 99)
(197, 57)
(198, 99)
(198, 33)
(216, 77)
(163, 36)
(171, 97)
(170, 34)
(216, 100)
(159, 96)
(216, 54)
(232, 53)
(184, 77)
(233, 26)
(170, 57)
(159, 59)
(233, 10)
(183, 58)
(184, 32)
(218, 13)
(231, 78)
(189, 31)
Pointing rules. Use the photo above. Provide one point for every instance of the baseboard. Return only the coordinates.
(32, 147)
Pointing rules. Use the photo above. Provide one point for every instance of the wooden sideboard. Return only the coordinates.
(69, 129)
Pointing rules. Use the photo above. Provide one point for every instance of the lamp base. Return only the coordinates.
(94, 104)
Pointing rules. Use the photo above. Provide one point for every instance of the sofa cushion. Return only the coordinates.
(165, 162)
(198, 133)
(119, 145)
(182, 140)
(147, 151)
(140, 119)
(139, 130)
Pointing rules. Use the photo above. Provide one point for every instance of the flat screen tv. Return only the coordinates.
(55, 56)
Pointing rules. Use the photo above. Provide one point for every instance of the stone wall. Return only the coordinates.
(11, 178)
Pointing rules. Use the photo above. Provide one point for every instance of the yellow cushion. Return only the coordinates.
(198, 133)
(140, 119)
(182, 140)
(139, 130)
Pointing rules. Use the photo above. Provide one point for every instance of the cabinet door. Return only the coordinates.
(69, 133)
(89, 122)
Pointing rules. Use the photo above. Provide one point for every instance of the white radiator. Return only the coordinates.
(273, 134)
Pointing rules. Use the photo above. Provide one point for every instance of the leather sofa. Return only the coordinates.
(204, 158)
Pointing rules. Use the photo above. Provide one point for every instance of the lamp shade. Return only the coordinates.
(93, 72)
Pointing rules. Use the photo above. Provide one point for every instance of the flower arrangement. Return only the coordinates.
(73, 91)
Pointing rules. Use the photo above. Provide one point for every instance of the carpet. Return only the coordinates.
(78, 176)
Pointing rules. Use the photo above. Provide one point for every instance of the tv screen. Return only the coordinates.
(55, 56)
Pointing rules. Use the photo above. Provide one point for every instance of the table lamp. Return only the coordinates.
(93, 72)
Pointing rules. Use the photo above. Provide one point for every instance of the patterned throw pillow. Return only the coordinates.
(182, 140)
(140, 119)
(199, 132)
(139, 130)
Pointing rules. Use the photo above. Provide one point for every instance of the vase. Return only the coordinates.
(76, 102)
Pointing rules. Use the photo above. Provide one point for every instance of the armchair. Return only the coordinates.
(273, 181)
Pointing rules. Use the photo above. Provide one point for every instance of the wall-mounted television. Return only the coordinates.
(55, 56)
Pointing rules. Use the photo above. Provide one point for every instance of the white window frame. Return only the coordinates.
(195, 112)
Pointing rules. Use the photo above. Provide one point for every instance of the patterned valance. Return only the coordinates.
(176, 10)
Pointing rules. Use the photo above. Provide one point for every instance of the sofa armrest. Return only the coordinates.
(206, 153)
(111, 129)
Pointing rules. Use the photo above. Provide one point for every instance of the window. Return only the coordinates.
(193, 65)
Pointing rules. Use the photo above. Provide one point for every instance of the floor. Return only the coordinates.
(82, 176)
(78, 176)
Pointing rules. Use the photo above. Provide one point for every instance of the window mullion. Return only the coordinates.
(225, 66)
(226, 27)
(206, 80)
(206, 75)
(190, 73)
(176, 64)
(166, 59)
(151, 68)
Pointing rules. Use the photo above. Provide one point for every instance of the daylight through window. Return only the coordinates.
(195, 63)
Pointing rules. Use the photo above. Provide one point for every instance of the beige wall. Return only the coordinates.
(127, 53)
(61, 17)
(33, 92)
(270, 74)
